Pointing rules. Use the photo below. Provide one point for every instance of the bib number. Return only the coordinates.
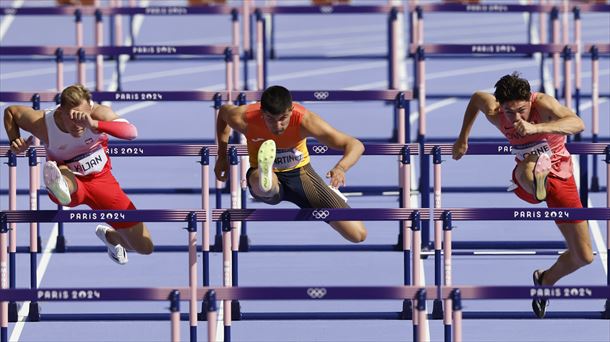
(287, 158)
(87, 164)
(538, 148)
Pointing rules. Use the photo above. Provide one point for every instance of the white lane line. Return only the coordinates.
(40, 271)
(594, 226)
(8, 19)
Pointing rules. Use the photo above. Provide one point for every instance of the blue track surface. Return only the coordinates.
(304, 35)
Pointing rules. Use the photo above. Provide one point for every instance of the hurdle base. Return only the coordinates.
(13, 312)
(60, 244)
(594, 184)
(34, 314)
(236, 314)
(244, 243)
(217, 246)
(437, 309)
(202, 316)
(407, 310)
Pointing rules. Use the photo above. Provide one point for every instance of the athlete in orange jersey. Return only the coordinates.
(277, 119)
(536, 126)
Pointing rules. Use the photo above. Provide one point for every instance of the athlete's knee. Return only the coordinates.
(144, 246)
(582, 256)
(358, 235)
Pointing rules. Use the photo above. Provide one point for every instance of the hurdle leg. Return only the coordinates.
(174, 308)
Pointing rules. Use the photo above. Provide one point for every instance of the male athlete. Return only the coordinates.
(78, 169)
(277, 130)
(536, 126)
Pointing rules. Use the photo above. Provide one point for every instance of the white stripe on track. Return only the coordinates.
(8, 19)
(41, 270)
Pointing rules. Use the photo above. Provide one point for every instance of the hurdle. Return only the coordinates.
(416, 17)
(80, 216)
(494, 149)
(142, 50)
(303, 293)
(115, 28)
(90, 295)
(596, 50)
(480, 50)
(230, 240)
(456, 294)
(448, 215)
(262, 41)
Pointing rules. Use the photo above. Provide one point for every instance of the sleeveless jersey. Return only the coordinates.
(85, 155)
(552, 144)
(291, 150)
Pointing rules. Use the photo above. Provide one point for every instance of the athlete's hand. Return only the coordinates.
(337, 176)
(460, 147)
(523, 127)
(83, 119)
(221, 168)
(20, 145)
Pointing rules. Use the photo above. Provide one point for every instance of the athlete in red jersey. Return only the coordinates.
(285, 173)
(536, 126)
(77, 170)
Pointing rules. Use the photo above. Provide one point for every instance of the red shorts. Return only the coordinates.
(101, 191)
(560, 193)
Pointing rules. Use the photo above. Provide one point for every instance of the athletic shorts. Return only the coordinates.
(560, 193)
(303, 187)
(101, 191)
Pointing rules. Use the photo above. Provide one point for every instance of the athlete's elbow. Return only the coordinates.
(358, 146)
(580, 126)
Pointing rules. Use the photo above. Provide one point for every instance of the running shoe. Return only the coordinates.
(55, 183)
(539, 305)
(117, 253)
(266, 157)
(541, 171)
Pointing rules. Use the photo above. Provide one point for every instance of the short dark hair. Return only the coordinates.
(512, 88)
(276, 100)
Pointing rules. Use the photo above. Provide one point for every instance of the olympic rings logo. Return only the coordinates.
(316, 292)
(320, 214)
(321, 95)
(326, 9)
(319, 149)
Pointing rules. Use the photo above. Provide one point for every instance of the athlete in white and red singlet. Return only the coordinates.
(78, 169)
(536, 126)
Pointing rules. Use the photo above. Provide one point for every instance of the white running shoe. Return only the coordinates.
(55, 183)
(117, 253)
(266, 157)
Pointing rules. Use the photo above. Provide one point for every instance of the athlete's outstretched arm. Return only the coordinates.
(315, 126)
(26, 118)
(479, 102)
(229, 116)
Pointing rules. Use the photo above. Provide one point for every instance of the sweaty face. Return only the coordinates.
(69, 126)
(517, 108)
(278, 123)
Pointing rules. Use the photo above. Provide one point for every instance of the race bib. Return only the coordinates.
(537, 148)
(89, 163)
(287, 158)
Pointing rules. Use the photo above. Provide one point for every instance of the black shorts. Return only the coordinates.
(303, 187)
